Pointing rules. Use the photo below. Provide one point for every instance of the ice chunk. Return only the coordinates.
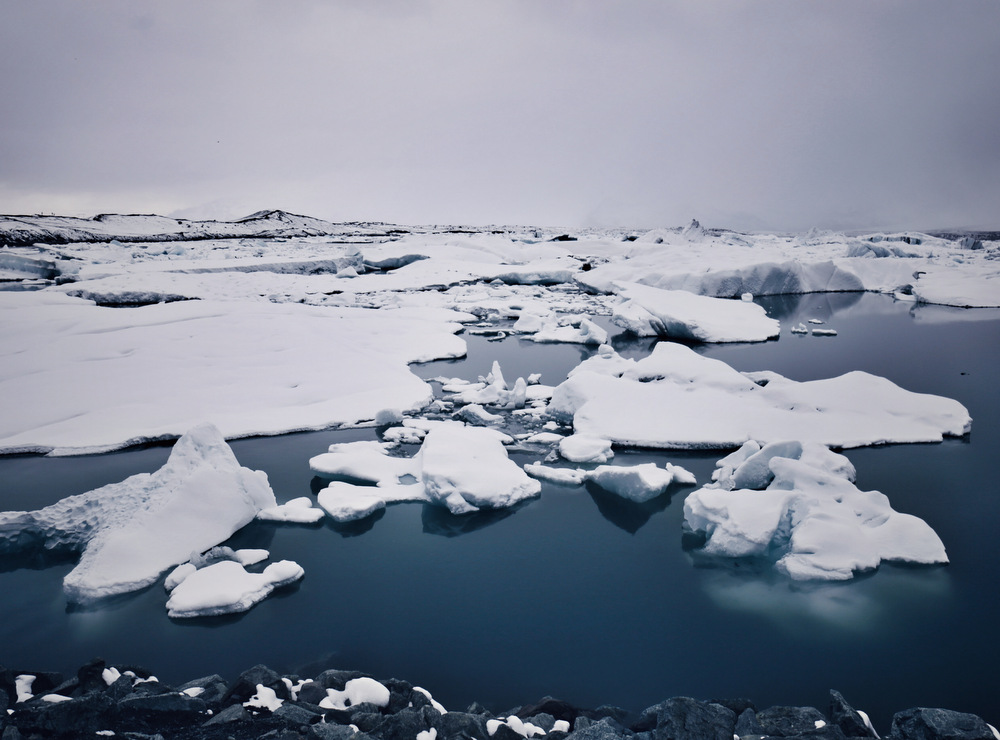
(806, 516)
(366, 461)
(466, 468)
(298, 510)
(675, 398)
(226, 587)
(573, 330)
(132, 531)
(476, 414)
(562, 476)
(639, 482)
(581, 448)
(345, 502)
(684, 315)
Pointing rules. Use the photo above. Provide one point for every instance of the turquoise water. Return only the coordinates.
(579, 594)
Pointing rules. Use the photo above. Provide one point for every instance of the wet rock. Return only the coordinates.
(90, 676)
(604, 729)
(334, 679)
(297, 714)
(747, 724)
(938, 724)
(74, 718)
(234, 713)
(548, 705)
(844, 716)
(246, 685)
(153, 712)
(737, 705)
(458, 724)
(789, 721)
(683, 717)
(334, 732)
(407, 724)
(214, 688)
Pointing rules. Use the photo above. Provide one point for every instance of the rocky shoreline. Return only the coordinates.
(128, 702)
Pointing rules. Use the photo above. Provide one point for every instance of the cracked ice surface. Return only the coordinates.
(131, 532)
(679, 399)
(796, 503)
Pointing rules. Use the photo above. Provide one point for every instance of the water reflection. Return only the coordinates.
(867, 603)
(625, 513)
(438, 520)
(817, 305)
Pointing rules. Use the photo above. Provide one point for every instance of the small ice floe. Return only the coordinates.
(570, 330)
(634, 482)
(22, 687)
(824, 332)
(298, 511)
(649, 311)
(679, 399)
(490, 391)
(816, 321)
(131, 532)
(362, 690)
(226, 588)
(639, 482)
(794, 503)
(799, 328)
(477, 415)
(582, 448)
(463, 468)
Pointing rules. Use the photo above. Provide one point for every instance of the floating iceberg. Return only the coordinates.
(298, 511)
(131, 532)
(463, 468)
(226, 588)
(800, 509)
(637, 483)
(676, 398)
(652, 312)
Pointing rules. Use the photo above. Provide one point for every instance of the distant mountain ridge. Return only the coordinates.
(20, 231)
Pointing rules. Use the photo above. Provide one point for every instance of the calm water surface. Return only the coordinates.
(579, 594)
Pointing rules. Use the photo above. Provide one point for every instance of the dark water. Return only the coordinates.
(579, 594)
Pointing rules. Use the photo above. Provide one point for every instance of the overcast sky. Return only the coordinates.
(758, 114)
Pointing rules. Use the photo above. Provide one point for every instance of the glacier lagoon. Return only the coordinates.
(577, 593)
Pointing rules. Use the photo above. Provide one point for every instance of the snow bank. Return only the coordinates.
(675, 398)
(95, 379)
(463, 468)
(650, 312)
(131, 532)
(801, 511)
(226, 588)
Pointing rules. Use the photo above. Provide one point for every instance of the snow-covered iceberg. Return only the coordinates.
(679, 314)
(463, 468)
(676, 398)
(128, 533)
(795, 504)
(637, 483)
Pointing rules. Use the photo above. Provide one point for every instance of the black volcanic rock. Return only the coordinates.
(789, 721)
(683, 717)
(844, 716)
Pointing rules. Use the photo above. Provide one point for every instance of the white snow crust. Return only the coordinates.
(634, 482)
(357, 691)
(799, 507)
(679, 399)
(130, 532)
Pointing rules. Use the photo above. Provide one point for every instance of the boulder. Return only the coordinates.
(844, 716)
(246, 685)
(604, 729)
(681, 718)
(789, 721)
(938, 724)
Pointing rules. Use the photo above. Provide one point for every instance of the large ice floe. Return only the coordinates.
(83, 378)
(795, 504)
(129, 533)
(463, 468)
(676, 398)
